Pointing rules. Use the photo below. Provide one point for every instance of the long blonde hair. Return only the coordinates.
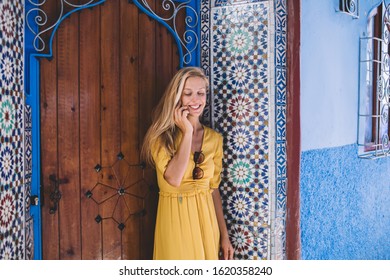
(163, 128)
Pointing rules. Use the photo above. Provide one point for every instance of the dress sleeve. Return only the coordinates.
(214, 183)
(161, 157)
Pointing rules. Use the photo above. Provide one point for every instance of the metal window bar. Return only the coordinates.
(349, 7)
(380, 146)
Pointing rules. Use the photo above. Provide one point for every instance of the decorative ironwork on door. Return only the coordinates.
(187, 43)
(124, 189)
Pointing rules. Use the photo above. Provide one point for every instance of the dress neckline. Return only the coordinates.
(201, 143)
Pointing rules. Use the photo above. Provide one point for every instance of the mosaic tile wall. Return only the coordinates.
(243, 52)
(13, 194)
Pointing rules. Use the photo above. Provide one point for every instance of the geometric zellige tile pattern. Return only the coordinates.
(279, 230)
(13, 190)
(247, 70)
(241, 101)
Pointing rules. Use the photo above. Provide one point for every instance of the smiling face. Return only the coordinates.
(194, 96)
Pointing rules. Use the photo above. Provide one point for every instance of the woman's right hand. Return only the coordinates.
(178, 164)
(181, 119)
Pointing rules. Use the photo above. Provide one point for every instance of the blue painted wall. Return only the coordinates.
(345, 205)
(345, 201)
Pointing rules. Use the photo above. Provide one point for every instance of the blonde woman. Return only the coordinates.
(187, 157)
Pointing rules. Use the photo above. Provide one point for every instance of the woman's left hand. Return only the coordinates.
(226, 249)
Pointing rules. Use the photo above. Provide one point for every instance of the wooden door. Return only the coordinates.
(110, 66)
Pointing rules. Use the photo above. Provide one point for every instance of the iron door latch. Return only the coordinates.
(55, 195)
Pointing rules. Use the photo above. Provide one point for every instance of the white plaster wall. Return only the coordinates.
(329, 73)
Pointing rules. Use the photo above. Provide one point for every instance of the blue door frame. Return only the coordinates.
(189, 55)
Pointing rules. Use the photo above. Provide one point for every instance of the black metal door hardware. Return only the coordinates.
(55, 195)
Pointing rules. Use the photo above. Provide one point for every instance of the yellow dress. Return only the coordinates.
(186, 224)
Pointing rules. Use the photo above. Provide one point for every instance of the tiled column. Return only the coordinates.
(246, 65)
(13, 191)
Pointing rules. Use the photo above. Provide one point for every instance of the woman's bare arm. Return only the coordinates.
(226, 246)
